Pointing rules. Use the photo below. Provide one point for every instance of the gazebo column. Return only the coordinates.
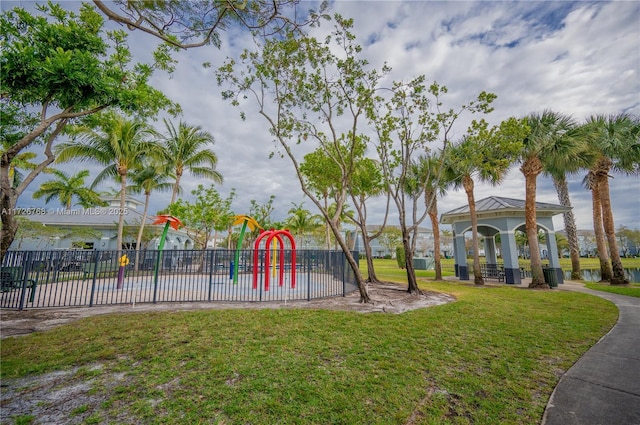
(490, 256)
(510, 257)
(460, 254)
(552, 250)
(490, 251)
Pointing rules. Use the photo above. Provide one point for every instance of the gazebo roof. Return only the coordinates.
(495, 206)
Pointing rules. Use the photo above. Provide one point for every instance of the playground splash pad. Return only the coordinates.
(190, 276)
(221, 288)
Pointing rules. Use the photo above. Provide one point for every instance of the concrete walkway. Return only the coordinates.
(603, 386)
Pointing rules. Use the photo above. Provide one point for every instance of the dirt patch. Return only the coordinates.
(387, 298)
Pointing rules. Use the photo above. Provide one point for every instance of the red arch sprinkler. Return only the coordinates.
(270, 235)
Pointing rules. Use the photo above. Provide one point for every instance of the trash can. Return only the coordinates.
(550, 277)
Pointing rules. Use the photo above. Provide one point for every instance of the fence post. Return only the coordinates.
(96, 255)
(262, 257)
(24, 277)
(155, 276)
(344, 280)
(212, 264)
(307, 262)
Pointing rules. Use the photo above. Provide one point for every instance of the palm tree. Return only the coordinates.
(614, 139)
(300, 221)
(66, 187)
(148, 179)
(461, 166)
(568, 155)
(486, 153)
(435, 186)
(590, 183)
(545, 131)
(22, 161)
(117, 143)
(187, 150)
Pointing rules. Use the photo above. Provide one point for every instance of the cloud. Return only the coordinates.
(578, 58)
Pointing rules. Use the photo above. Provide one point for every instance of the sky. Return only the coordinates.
(577, 58)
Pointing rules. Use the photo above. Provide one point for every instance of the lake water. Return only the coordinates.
(593, 275)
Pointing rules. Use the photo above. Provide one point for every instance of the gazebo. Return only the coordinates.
(503, 216)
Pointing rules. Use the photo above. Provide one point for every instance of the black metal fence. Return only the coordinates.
(85, 278)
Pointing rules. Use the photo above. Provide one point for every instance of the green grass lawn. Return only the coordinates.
(388, 270)
(493, 356)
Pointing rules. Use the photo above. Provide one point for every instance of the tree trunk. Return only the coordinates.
(174, 192)
(467, 183)
(9, 229)
(603, 255)
(368, 253)
(431, 200)
(123, 194)
(327, 227)
(9, 194)
(569, 226)
(618, 277)
(372, 278)
(435, 225)
(412, 286)
(412, 282)
(147, 195)
(362, 288)
(531, 168)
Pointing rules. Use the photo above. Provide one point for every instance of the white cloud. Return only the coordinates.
(576, 58)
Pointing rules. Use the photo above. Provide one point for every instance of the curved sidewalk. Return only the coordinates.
(603, 386)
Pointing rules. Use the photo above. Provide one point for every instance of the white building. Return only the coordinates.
(103, 223)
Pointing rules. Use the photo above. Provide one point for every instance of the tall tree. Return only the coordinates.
(569, 155)
(58, 66)
(324, 178)
(435, 186)
(187, 148)
(615, 140)
(545, 130)
(66, 187)
(407, 124)
(148, 178)
(119, 144)
(486, 154)
(367, 183)
(591, 183)
(311, 91)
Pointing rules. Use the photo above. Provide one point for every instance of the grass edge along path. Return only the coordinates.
(631, 290)
(492, 357)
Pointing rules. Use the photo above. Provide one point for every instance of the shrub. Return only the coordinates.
(400, 256)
